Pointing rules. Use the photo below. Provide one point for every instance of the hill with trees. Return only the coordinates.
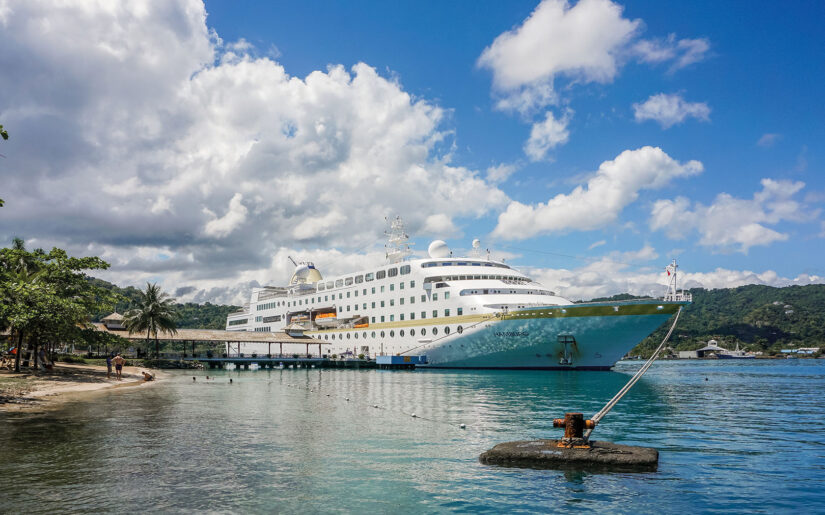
(758, 318)
(190, 314)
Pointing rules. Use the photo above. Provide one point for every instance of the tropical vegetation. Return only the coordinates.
(155, 311)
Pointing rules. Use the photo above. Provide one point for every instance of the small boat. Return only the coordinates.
(734, 354)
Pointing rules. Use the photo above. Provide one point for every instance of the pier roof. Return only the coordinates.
(216, 335)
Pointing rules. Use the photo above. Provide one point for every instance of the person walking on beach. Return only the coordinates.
(119, 362)
(108, 366)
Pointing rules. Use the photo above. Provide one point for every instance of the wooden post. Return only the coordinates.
(282, 349)
(270, 349)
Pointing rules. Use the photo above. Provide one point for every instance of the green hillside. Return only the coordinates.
(191, 315)
(757, 317)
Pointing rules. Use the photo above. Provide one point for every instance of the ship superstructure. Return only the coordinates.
(461, 312)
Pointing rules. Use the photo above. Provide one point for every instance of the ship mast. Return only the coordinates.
(398, 245)
(673, 293)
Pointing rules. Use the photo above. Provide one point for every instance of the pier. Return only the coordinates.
(275, 362)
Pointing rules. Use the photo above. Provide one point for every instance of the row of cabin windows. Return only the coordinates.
(462, 263)
(262, 329)
(327, 298)
(505, 278)
(498, 292)
(383, 303)
(238, 322)
(383, 318)
(358, 279)
(383, 334)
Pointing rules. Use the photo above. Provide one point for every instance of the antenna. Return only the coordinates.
(672, 293)
(398, 246)
(293, 261)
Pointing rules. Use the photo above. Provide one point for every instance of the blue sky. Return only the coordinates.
(189, 144)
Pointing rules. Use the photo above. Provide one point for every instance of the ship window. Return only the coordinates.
(356, 335)
(412, 332)
(373, 320)
(373, 304)
(401, 316)
(365, 305)
(392, 272)
(401, 301)
(348, 336)
(435, 313)
(347, 308)
(356, 292)
(424, 332)
(392, 334)
(326, 298)
(359, 279)
(370, 276)
(348, 294)
(373, 289)
(392, 319)
(446, 263)
(330, 284)
(435, 296)
(446, 295)
(348, 281)
(477, 277)
(401, 333)
(447, 330)
(382, 303)
(412, 284)
(401, 285)
(459, 329)
(435, 331)
(339, 283)
(476, 264)
(423, 298)
(382, 318)
(364, 335)
(405, 269)
(446, 312)
(364, 291)
(460, 311)
(392, 287)
(326, 337)
(382, 289)
(392, 302)
(382, 334)
(340, 295)
(321, 287)
(412, 316)
(372, 334)
(423, 315)
(381, 274)
(412, 300)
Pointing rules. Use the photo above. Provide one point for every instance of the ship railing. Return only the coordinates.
(679, 297)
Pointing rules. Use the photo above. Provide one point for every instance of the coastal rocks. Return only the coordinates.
(545, 454)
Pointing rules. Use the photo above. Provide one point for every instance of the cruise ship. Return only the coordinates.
(459, 312)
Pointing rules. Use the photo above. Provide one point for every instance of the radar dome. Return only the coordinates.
(438, 249)
(305, 273)
(476, 243)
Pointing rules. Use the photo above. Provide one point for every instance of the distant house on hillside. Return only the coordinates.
(114, 322)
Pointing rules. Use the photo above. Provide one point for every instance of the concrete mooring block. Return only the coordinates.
(546, 454)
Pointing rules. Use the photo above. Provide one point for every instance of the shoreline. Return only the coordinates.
(35, 391)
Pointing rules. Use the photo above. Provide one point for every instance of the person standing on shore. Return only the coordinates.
(119, 362)
(108, 366)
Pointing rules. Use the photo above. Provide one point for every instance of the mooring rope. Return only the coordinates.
(638, 375)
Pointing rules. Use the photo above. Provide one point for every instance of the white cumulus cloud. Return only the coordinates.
(599, 202)
(546, 135)
(682, 52)
(581, 42)
(670, 110)
(730, 223)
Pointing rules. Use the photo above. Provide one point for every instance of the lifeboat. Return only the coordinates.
(360, 326)
(326, 319)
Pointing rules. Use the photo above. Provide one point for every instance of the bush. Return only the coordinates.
(69, 358)
(360, 356)
(295, 356)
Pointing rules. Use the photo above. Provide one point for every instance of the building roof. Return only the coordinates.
(215, 335)
(114, 317)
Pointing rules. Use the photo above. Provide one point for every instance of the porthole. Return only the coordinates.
(348, 335)
(333, 336)
(401, 333)
(412, 332)
(364, 335)
(447, 330)
(373, 334)
(356, 335)
(392, 334)
(326, 337)
(382, 334)
(435, 331)
(424, 332)
(460, 329)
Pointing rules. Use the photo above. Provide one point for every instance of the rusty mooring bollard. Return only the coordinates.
(574, 425)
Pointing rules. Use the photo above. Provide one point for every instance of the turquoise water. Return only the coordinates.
(274, 441)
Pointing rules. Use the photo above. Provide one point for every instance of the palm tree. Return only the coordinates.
(155, 311)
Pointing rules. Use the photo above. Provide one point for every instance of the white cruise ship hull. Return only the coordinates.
(585, 337)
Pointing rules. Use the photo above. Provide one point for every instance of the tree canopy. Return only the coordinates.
(155, 312)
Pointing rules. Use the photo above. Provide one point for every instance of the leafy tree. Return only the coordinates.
(46, 296)
(155, 311)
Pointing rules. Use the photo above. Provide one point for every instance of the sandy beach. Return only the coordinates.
(31, 390)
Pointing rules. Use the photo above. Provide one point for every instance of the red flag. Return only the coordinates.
(668, 273)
